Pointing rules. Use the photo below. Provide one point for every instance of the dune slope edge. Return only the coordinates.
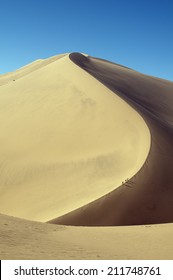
(148, 197)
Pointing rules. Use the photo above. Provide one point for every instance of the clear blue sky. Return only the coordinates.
(134, 33)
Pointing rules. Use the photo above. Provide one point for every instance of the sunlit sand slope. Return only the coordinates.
(66, 140)
(23, 239)
(23, 71)
(148, 196)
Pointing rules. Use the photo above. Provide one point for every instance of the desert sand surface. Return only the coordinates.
(24, 239)
(86, 146)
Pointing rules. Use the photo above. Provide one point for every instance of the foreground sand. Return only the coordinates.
(85, 142)
(22, 239)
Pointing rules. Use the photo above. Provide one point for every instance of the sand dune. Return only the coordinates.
(66, 141)
(148, 196)
(85, 142)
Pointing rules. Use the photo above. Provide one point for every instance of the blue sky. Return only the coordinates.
(136, 33)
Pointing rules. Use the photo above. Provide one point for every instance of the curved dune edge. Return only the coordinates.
(67, 140)
(148, 199)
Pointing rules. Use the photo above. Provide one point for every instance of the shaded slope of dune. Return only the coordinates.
(148, 196)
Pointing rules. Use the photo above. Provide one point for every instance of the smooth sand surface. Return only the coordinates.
(23, 239)
(85, 142)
